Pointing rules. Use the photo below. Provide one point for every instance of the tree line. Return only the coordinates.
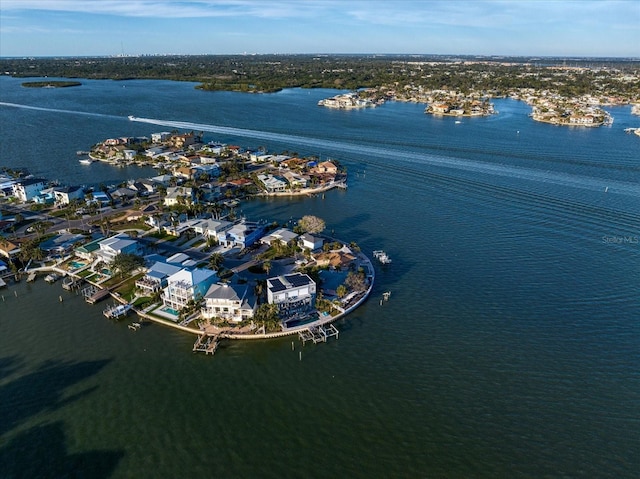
(270, 73)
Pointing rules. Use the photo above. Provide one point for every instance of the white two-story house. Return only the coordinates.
(27, 189)
(294, 294)
(185, 285)
(233, 302)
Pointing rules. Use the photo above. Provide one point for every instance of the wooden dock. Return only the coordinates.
(71, 282)
(318, 334)
(206, 344)
(32, 277)
(93, 294)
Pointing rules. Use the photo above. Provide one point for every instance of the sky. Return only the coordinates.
(567, 28)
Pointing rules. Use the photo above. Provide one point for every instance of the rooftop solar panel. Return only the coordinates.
(276, 285)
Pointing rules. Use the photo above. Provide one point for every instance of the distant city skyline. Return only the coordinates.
(564, 28)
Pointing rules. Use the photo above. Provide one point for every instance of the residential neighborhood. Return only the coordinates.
(174, 247)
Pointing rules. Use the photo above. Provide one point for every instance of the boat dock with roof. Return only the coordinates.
(318, 334)
(206, 344)
(92, 294)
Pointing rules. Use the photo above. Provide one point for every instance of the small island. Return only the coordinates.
(51, 84)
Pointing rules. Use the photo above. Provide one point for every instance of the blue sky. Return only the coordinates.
(484, 27)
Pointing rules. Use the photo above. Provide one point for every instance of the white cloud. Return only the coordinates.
(174, 9)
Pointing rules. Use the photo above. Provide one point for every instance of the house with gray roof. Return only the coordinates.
(281, 234)
(233, 302)
(111, 247)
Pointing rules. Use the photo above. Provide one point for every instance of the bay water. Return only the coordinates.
(510, 346)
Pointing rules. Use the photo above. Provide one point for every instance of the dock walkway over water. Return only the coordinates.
(92, 294)
(318, 333)
(206, 344)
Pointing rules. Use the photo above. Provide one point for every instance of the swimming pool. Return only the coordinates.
(77, 264)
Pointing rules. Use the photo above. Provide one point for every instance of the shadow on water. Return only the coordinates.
(8, 366)
(41, 452)
(41, 390)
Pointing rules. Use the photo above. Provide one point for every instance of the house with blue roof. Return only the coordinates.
(156, 277)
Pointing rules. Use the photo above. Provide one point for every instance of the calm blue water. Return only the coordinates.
(510, 346)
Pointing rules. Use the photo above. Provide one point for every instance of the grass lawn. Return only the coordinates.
(127, 288)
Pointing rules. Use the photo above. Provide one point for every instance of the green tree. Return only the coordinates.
(311, 224)
(266, 266)
(215, 261)
(125, 263)
(267, 315)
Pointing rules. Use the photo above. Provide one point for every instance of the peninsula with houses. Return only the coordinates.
(174, 249)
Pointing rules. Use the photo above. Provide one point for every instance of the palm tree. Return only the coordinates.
(266, 266)
(215, 261)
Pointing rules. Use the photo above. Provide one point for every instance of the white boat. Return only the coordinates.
(85, 161)
(116, 312)
(457, 122)
(51, 278)
(131, 117)
(382, 256)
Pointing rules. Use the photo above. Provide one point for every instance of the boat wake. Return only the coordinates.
(408, 157)
(57, 110)
(380, 156)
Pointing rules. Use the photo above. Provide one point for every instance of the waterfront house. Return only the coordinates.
(61, 244)
(281, 234)
(156, 277)
(242, 234)
(129, 155)
(310, 242)
(8, 249)
(160, 137)
(27, 189)
(120, 243)
(65, 195)
(334, 259)
(326, 167)
(182, 140)
(186, 285)
(295, 180)
(273, 184)
(294, 163)
(87, 251)
(293, 294)
(233, 302)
